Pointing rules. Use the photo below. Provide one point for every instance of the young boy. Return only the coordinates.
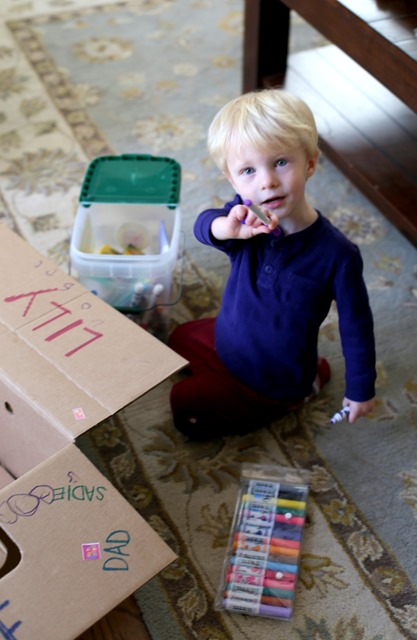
(258, 359)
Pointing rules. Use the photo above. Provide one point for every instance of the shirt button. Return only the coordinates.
(268, 269)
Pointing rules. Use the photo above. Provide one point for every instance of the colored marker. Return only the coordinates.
(263, 609)
(261, 215)
(237, 591)
(265, 556)
(279, 575)
(276, 602)
(277, 532)
(290, 547)
(139, 297)
(283, 559)
(283, 550)
(341, 415)
(156, 292)
(292, 493)
(270, 510)
(254, 594)
(275, 612)
(261, 518)
(265, 548)
(239, 579)
(288, 532)
(268, 564)
(285, 531)
(279, 584)
(266, 589)
(245, 573)
(137, 301)
(276, 542)
(163, 238)
(288, 517)
(293, 512)
(279, 502)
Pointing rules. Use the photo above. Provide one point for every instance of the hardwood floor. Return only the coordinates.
(123, 623)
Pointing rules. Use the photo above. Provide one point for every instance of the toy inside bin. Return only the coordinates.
(125, 241)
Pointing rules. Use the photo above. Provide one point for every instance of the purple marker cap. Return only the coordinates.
(262, 609)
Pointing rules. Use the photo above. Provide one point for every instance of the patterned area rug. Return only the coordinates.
(83, 78)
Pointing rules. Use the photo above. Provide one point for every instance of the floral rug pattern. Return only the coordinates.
(84, 78)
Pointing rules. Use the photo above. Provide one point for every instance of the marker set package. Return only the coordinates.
(264, 549)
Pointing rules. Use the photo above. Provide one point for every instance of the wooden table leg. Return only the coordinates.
(265, 43)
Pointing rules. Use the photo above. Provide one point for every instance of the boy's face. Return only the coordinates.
(272, 180)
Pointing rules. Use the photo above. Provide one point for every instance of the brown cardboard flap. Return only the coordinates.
(27, 438)
(46, 390)
(103, 353)
(84, 549)
(99, 360)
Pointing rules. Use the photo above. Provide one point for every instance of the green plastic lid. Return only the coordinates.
(131, 178)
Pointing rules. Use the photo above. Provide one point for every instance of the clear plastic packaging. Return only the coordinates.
(263, 555)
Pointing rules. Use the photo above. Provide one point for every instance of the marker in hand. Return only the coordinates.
(261, 215)
(341, 415)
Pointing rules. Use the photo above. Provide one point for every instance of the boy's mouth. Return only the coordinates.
(273, 202)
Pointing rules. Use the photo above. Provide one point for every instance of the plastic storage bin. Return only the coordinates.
(126, 236)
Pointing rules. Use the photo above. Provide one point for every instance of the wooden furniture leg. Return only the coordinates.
(265, 44)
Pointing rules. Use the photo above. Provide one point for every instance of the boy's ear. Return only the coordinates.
(312, 164)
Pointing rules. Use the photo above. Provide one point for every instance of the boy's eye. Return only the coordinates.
(248, 171)
(281, 162)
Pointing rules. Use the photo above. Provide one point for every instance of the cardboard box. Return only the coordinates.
(71, 547)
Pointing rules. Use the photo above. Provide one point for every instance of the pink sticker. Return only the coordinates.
(91, 551)
(78, 413)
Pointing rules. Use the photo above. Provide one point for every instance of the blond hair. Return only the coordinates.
(266, 120)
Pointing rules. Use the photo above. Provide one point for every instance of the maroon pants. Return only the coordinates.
(210, 402)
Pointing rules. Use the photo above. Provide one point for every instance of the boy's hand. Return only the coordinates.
(358, 409)
(241, 223)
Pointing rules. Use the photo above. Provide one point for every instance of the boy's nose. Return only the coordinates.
(269, 180)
